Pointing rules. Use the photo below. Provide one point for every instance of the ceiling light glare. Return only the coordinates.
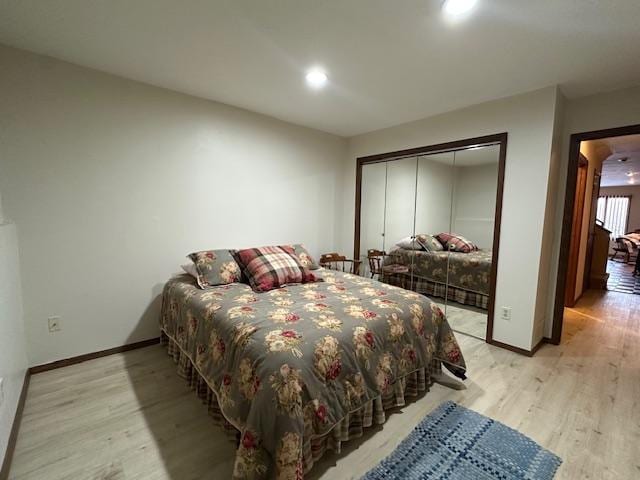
(316, 78)
(458, 7)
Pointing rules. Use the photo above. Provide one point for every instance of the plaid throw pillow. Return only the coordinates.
(268, 268)
(215, 267)
(429, 243)
(456, 243)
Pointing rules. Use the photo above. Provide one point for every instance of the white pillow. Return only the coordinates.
(190, 268)
(409, 243)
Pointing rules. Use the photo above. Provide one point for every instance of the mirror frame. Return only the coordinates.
(487, 140)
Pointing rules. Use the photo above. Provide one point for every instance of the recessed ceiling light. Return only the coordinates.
(316, 78)
(457, 7)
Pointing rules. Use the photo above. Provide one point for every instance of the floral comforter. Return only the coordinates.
(467, 271)
(293, 362)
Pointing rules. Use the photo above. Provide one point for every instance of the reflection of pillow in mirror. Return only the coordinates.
(408, 243)
(429, 243)
(456, 243)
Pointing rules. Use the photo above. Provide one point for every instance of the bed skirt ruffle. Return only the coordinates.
(430, 288)
(352, 426)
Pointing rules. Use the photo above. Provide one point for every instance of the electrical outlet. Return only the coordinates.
(506, 314)
(55, 324)
(1, 391)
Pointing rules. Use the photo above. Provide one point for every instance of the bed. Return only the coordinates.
(294, 372)
(468, 274)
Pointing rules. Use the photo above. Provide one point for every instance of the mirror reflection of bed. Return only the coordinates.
(433, 217)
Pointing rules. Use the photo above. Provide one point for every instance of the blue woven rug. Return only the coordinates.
(454, 443)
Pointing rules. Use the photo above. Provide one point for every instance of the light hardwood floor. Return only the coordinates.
(129, 416)
(466, 319)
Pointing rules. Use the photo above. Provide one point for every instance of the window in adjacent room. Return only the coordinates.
(613, 211)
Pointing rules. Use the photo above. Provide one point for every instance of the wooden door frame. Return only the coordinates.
(582, 176)
(595, 194)
(496, 139)
(569, 198)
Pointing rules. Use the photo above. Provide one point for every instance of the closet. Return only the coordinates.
(434, 212)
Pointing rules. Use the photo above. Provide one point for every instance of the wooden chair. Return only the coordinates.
(375, 258)
(335, 261)
(622, 247)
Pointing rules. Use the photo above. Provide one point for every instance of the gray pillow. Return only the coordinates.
(215, 267)
(305, 257)
(429, 243)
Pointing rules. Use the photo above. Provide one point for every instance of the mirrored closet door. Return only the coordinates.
(428, 221)
(388, 203)
(433, 216)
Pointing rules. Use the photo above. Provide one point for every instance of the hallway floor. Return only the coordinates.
(621, 278)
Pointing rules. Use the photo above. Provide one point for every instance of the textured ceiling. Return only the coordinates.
(388, 61)
(615, 172)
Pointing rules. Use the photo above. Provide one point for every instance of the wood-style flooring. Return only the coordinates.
(466, 319)
(129, 416)
(621, 278)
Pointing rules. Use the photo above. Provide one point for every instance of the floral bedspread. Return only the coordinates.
(293, 362)
(467, 271)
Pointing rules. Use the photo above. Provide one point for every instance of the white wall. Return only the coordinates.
(474, 203)
(374, 178)
(399, 201)
(13, 357)
(529, 120)
(548, 254)
(434, 190)
(111, 182)
(605, 110)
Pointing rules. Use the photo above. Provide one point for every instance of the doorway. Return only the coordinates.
(570, 296)
(601, 220)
